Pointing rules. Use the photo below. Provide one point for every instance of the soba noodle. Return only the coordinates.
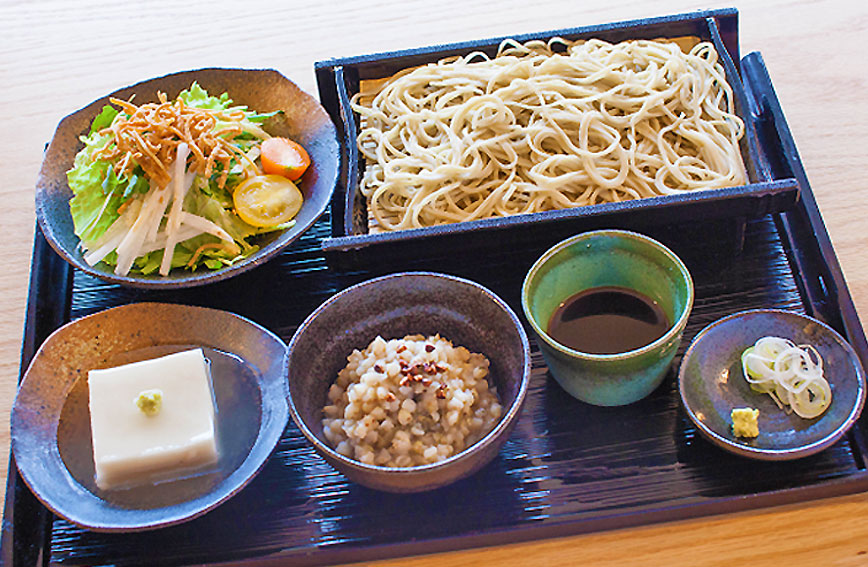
(546, 126)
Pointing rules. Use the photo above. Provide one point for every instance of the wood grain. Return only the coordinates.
(57, 56)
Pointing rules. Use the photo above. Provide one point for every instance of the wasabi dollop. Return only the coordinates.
(150, 401)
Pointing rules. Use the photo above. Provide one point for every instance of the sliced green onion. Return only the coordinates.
(791, 374)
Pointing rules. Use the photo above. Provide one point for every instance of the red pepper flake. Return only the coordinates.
(429, 348)
(378, 368)
(401, 348)
(439, 368)
(405, 369)
(441, 391)
(404, 381)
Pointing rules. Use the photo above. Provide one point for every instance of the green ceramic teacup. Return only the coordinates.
(618, 259)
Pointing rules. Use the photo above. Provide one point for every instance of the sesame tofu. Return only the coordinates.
(152, 420)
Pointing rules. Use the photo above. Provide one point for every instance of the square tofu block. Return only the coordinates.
(152, 420)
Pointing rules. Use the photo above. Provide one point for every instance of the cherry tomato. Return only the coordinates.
(267, 200)
(282, 156)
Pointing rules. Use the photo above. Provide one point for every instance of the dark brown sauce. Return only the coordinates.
(607, 320)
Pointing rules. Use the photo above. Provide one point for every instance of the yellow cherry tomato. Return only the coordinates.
(267, 200)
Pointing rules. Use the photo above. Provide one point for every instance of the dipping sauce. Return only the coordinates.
(607, 320)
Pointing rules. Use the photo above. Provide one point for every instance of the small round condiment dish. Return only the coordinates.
(712, 384)
(601, 259)
(302, 119)
(51, 429)
(394, 306)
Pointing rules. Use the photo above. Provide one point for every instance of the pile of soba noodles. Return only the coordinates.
(543, 126)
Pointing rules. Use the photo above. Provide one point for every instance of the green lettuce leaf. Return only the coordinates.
(261, 117)
(104, 119)
(93, 182)
(198, 97)
(91, 215)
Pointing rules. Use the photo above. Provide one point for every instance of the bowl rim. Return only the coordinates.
(192, 279)
(504, 423)
(771, 454)
(674, 330)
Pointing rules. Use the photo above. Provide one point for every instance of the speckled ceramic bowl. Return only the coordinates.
(604, 258)
(711, 382)
(50, 423)
(395, 306)
(263, 90)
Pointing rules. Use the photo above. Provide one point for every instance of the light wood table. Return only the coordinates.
(57, 56)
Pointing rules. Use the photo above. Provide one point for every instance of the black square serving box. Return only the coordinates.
(567, 467)
(340, 79)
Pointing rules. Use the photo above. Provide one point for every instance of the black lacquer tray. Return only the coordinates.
(568, 467)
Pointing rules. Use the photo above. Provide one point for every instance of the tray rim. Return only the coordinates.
(783, 191)
(839, 312)
(494, 41)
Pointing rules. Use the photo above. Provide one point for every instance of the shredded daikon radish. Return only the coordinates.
(115, 234)
(180, 187)
(791, 374)
(183, 234)
(150, 215)
(141, 230)
(204, 225)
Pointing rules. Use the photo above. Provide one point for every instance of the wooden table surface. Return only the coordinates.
(56, 56)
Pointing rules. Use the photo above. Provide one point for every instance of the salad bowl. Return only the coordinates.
(301, 118)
